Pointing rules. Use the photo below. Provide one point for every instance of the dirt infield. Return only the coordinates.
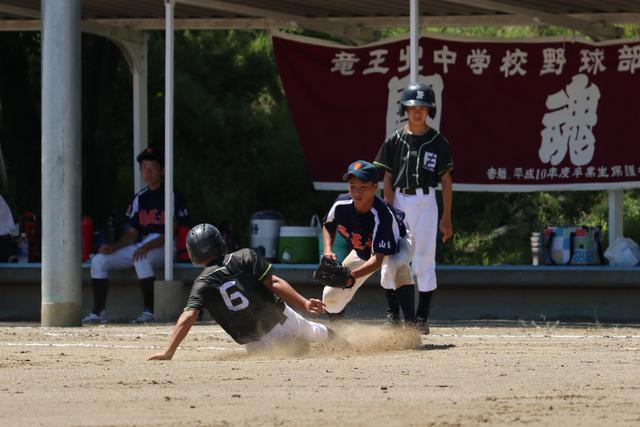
(459, 375)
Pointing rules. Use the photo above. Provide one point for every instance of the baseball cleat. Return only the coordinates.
(422, 325)
(392, 320)
(144, 317)
(96, 319)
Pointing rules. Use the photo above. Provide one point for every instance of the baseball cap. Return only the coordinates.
(151, 153)
(362, 170)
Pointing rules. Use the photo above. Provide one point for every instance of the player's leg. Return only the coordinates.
(146, 276)
(425, 261)
(295, 330)
(392, 316)
(406, 292)
(336, 299)
(397, 280)
(101, 264)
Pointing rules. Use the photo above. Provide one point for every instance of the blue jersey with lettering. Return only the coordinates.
(376, 231)
(146, 211)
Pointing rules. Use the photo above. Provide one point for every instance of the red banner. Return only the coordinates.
(520, 115)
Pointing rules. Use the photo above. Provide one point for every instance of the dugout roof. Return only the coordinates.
(354, 20)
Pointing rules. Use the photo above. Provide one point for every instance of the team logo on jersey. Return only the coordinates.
(430, 160)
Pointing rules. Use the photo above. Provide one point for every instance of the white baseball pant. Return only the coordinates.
(101, 264)
(395, 271)
(294, 328)
(421, 218)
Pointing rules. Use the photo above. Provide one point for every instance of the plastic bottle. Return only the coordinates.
(23, 249)
(87, 237)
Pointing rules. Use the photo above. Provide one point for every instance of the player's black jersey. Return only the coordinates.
(146, 211)
(416, 161)
(235, 297)
(375, 231)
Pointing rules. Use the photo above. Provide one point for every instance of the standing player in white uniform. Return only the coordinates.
(415, 158)
(244, 297)
(379, 239)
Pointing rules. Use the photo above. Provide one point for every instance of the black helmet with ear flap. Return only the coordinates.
(419, 94)
(204, 241)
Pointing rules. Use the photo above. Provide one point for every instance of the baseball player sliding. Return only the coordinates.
(415, 158)
(249, 302)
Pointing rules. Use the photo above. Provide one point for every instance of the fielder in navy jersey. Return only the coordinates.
(142, 245)
(379, 239)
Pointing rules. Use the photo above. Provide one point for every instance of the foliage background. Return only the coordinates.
(236, 149)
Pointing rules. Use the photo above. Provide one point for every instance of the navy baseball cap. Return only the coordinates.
(151, 153)
(362, 170)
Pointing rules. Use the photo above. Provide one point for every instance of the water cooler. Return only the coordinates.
(265, 231)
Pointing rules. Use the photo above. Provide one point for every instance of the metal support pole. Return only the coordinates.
(168, 143)
(414, 45)
(61, 164)
(616, 214)
(140, 115)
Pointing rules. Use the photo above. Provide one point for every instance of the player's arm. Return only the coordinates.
(283, 289)
(372, 264)
(130, 236)
(183, 325)
(446, 228)
(158, 242)
(327, 240)
(387, 188)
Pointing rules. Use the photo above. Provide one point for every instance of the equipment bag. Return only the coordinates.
(572, 245)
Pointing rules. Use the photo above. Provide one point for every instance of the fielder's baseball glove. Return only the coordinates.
(330, 273)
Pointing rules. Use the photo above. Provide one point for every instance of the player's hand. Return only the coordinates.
(331, 255)
(446, 228)
(140, 253)
(161, 356)
(105, 249)
(315, 306)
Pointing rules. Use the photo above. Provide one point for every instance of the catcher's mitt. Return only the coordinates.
(330, 273)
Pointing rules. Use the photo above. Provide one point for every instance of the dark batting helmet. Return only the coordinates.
(419, 94)
(204, 241)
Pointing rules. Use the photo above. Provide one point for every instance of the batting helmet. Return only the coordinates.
(204, 241)
(419, 94)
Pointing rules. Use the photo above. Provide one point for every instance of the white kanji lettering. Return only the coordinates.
(502, 173)
(603, 172)
(554, 61)
(577, 172)
(445, 57)
(629, 58)
(518, 173)
(616, 171)
(378, 57)
(565, 172)
(528, 174)
(590, 172)
(405, 59)
(629, 170)
(492, 173)
(478, 60)
(569, 125)
(592, 61)
(553, 172)
(512, 63)
(344, 62)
